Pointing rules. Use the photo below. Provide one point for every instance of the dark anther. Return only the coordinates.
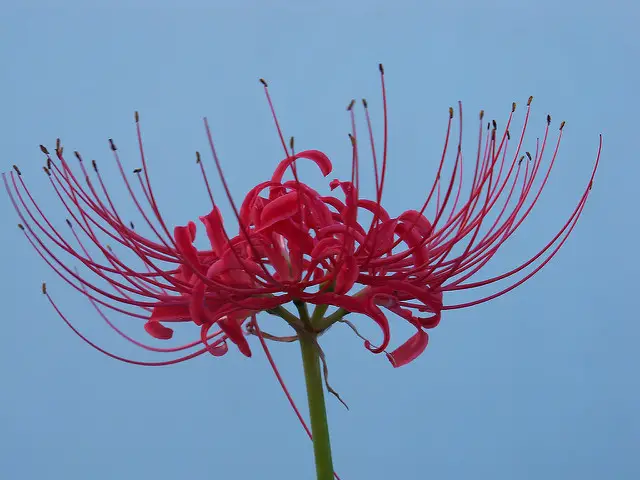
(450, 112)
(133, 227)
(513, 107)
(263, 82)
(198, 157)
(528, 155)
(44, 150)
(77, 154)
(548, 119)
(350, 106)
(562, 125)
(137, 170)
(15, 167)
(364, 103)
(381, 68)
(69, 223)
(112, 145)
(136, 116)
(21, 226)
(95, 165)
(495, 125)
(44, 288)
(530, 100)
(481, 114)
(291, 143)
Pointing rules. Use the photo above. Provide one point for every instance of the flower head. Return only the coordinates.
(296, 245)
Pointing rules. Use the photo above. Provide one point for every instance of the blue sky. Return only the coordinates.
(541, 383)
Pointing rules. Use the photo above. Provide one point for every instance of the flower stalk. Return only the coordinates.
(317, 409)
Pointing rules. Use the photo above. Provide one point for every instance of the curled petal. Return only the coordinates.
(252, 198)
(381, 240)
(363, 304)
(196, 305)
(375, 208)
(347, 275)
(218, 348)
(280, 208)
(295, 234)
(410, 350)
(171, 313)
(413, 238)
(232, 328)
(229, 261)
(334, 202)
(157, 330)
(419, 221)
(184, 237)
(316, 156)
(214, 227)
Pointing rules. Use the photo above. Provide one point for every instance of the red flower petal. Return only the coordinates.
(232, 328)
(279, 209)
(215, 231)
(316, 156)
(172, 313)
(409, 350)
(420, 221)
(184, 237)
(295, 234)
(196, 306)
(157, 330)
(347, 275)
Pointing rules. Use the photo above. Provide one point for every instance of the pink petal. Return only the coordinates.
(382, 238)
(295, 234)
(175, 313)
(316, 156)
(215, 231)
(218, 350)
(410, 350)
(334, 202)
(279, 209)
(362, 304)
(347, 275)
(232, 328)
(228, 262)
(421, 223)
(157, 330)
(412, 238)
(297, 262)
(374, 207)
(196, 305)
(184, 237)
(250, 199)
(328, 243)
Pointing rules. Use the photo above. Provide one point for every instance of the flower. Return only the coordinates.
(297, 246)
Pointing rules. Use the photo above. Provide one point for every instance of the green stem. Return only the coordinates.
(285, 314)
(333, 318)
(317, 410)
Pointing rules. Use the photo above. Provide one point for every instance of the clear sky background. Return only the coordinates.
(541, 383)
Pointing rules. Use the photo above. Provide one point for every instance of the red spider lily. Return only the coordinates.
(297, 245)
